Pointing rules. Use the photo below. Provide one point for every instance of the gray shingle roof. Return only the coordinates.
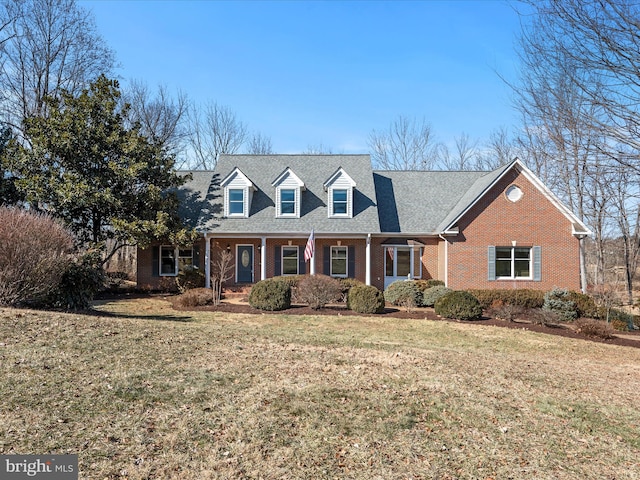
(313, 170)
(419, 201)
(405, 202)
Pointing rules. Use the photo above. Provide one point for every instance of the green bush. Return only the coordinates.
(558, 301)
(431, 294)
(318, 290)
(621, 320)
(426, 284)
(189, 278)
(289, 280)
(585, 305)
(81, 280)
(270, 295)
(365, 299)
(404, 293)
(458, 304)
(520, 297)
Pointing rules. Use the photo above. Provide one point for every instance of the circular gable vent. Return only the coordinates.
(513, 193)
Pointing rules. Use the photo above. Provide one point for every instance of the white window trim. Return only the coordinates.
(513, 264)
(245, 196)
(346, 260)
(349, 212)
(176, 260)
(289, 247)
(296, 203)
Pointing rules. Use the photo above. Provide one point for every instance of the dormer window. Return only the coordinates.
(238, 191)
(339, 202)
(289, 189)
(236, 201)
(287, 201)
(340, 187)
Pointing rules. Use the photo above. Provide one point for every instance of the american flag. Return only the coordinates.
(310, 248)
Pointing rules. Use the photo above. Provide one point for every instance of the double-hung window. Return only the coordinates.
(339, 261)
(513, 262)
(287, 201)
(339, 202)
(290, 260)
(236, 201)
(174, 260)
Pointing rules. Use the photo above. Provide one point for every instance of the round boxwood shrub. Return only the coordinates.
(365, 299)
(430, 295)
(270, 295)
(318, 291)
(458, 304)
(404, 293)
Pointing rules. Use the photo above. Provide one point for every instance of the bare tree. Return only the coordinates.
(319, 149)
(499, 150)
(160, 115)
(214, 131)
(464, 156)
(221, 267)
(259, 144)
(52, 45)
(408, 144)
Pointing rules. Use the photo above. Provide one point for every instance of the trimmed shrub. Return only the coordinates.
(426, 284)
(318, 290)
(270, 295)
(521, 297)
(404, 293)
(365, 299)
(34, 254)
(290, 281)
(558, 301)
(594, 328)
(585, 305)
(81, 280)
(431, 294)
(621, 320)
(458, 304)
(189, 278)
(432, 282)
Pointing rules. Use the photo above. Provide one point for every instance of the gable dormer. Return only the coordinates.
(289, 190)
(339, 188)
(238, 192)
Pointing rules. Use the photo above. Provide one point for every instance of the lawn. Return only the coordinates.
(139, 390)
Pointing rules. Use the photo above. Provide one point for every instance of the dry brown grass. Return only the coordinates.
(144, 391)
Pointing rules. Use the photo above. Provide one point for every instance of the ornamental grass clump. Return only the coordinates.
(270, 295)
(460, 305)
(365, 299)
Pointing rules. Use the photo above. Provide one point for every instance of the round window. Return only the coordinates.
(514, 193)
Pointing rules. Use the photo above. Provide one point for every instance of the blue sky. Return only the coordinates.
(310, 73)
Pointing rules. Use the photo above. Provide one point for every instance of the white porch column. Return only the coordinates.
(411, 272)
(367, 276)
(263, 258)
(312, 261)
(207, 261)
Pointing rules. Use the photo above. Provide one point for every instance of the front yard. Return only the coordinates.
(140, 390)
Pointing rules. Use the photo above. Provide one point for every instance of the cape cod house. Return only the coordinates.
(497, 229)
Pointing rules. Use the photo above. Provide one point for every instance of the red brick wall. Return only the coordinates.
(533, 220)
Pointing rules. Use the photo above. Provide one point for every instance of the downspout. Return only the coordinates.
(367, 278)
(446, 260)
(207, 261)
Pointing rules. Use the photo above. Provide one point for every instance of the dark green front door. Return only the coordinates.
(244, 261)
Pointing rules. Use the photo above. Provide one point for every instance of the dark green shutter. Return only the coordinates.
(537, 264)
(155, 260)
(196, 256)
(277, 261)
(301, 263)
(491, 255)
(351, 262)
(326, 260)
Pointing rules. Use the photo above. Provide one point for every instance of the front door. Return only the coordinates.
(244, 264)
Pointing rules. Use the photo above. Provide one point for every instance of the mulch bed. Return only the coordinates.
(626, 339)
